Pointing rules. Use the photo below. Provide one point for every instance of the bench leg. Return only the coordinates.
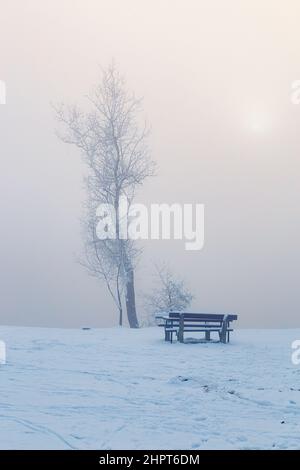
(207, 335)
(167, 336)
(221, 337)
(181, 328)
(224, 328)
(180, 336)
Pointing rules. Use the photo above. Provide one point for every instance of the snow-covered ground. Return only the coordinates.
(126, 389)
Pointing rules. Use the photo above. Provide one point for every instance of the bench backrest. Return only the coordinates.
(202, 317)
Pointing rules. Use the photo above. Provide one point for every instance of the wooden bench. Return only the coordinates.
(181, 322)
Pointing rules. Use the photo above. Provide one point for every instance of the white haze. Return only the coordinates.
(216, 79)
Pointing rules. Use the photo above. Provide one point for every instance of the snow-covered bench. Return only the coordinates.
(181, 322)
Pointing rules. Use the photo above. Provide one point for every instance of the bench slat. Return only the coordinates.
(203, 316)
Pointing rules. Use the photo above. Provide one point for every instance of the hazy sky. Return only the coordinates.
(216, 79)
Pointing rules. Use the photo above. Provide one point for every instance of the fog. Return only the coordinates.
(215, 79)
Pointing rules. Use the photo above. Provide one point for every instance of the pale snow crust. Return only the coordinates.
(128, 389)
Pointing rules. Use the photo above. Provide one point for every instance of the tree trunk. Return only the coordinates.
(130, 299)
(129, 274)
(119, 303)
(120, 317)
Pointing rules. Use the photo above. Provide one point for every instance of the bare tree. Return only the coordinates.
(169, 294)
(102, 261)
(114, 147)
